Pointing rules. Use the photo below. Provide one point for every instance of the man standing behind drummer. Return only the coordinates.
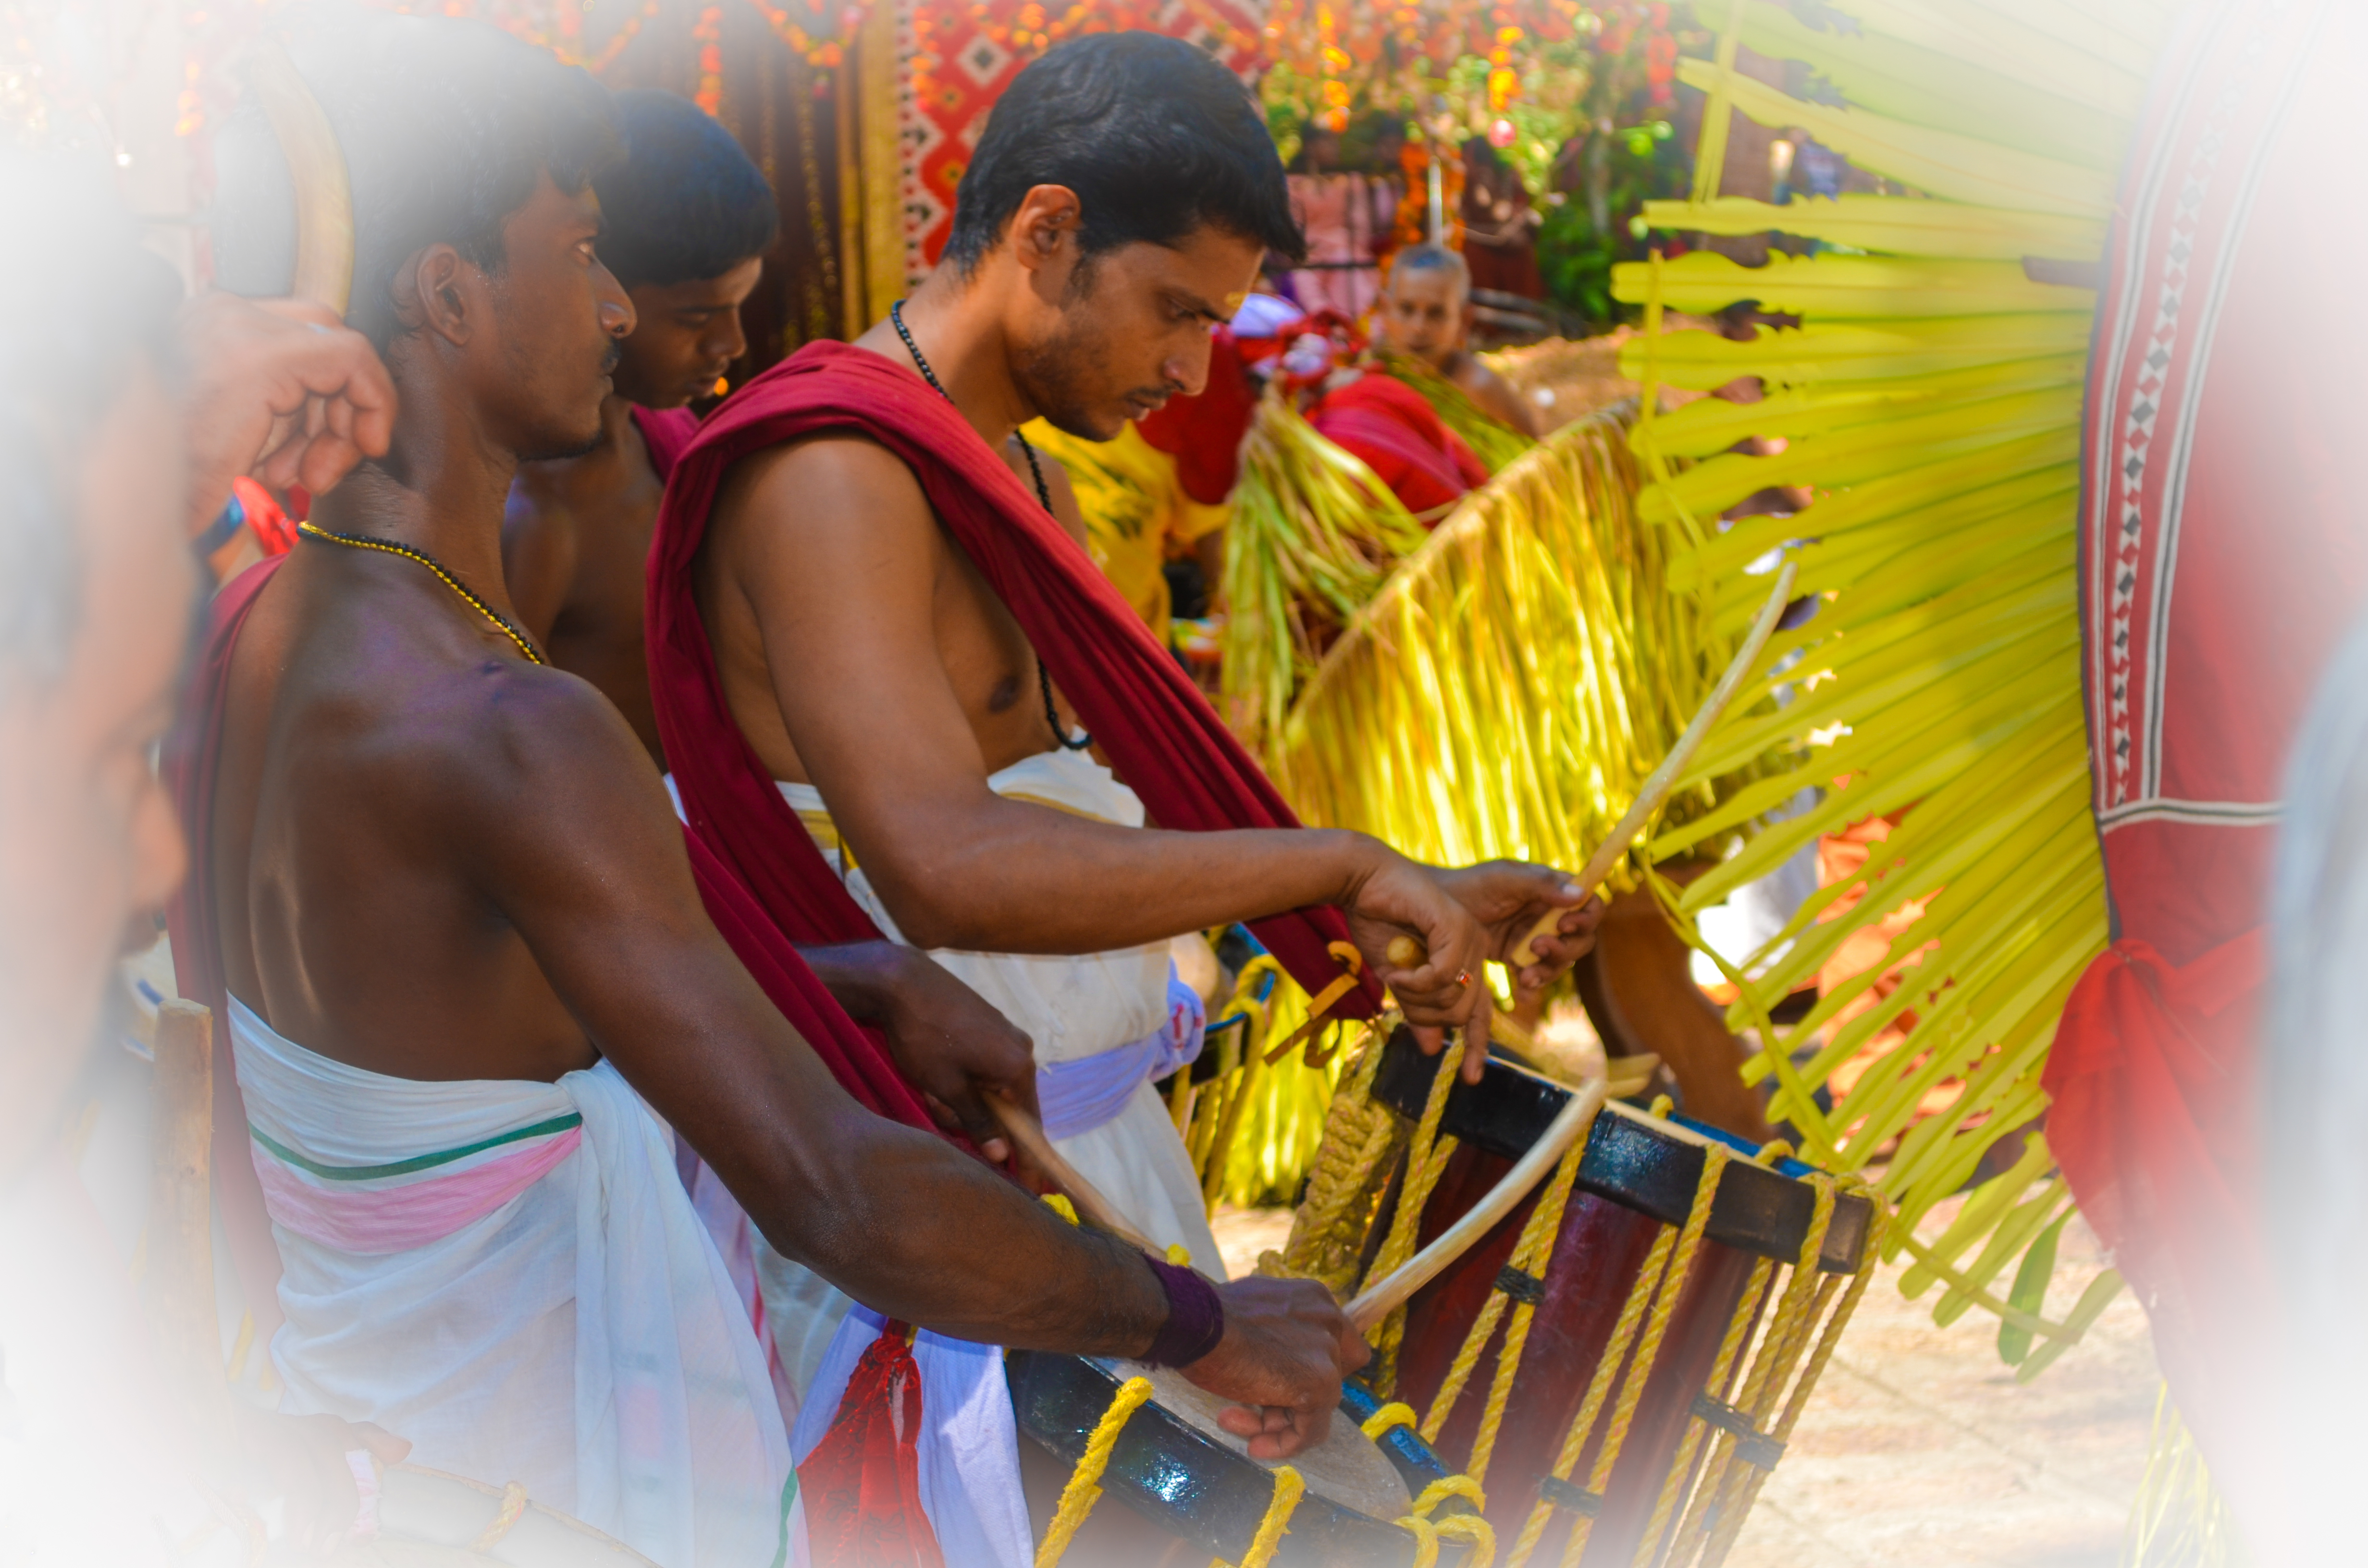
(686, 221)
(685, 218)
(817, 630)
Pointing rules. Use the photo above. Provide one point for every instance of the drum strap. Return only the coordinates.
(1523, 1286)
(1569, 1494)
(1751, 1446)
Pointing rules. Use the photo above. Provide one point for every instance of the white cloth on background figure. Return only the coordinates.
(511, 1275)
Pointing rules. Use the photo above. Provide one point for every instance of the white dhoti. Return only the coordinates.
(1105, 1026)
(511, 1275)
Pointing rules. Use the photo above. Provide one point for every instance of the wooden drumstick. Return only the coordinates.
(1376, 1302)
(1406, 952)
(1092, 1207)
(316, 167)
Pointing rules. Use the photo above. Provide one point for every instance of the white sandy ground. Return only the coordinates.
(1919, 1446)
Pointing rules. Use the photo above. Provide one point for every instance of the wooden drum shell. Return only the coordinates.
(1638, 1174)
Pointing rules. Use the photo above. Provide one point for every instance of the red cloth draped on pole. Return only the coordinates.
(2221, 562)
(1158, 730)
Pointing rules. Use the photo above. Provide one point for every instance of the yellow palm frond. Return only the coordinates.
(1518, 677)
(1929, 402)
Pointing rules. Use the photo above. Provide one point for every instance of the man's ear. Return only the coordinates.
(434, 292)
(1045, 226)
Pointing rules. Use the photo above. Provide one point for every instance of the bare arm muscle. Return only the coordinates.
(575, 844)
(835, 548)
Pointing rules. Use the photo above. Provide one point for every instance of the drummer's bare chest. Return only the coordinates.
(987, 661)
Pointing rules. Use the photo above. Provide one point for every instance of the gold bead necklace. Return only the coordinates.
(358, 541)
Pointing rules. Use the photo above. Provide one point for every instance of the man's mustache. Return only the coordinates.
(613, 357)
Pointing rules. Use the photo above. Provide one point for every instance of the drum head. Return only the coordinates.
(428, 1518)
(1175, 1465)
(1646, 1162)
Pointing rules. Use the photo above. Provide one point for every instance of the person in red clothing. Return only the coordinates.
(688, 220)
(1401, 437)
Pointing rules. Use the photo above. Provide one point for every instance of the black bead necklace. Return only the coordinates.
(1043, 494)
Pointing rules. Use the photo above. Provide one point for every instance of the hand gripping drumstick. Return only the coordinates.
(1092, 1207)
(316, 167)
(1378, 1300)
(1406, 952)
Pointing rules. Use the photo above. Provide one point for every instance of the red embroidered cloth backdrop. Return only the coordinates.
(2222, 560)
(956, 57)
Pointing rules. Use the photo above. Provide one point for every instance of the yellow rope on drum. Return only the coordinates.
(1470, 1528)
(1288, 1489)
(1667, 1268)
(1532, 1253)
(1388, 1418)
(513, 1508)
(1780, 1349)
(1084, 1489)
(1723, 1520)
(1327, 1234)
(1426, 1159)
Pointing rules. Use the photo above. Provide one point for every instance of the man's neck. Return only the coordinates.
(439, 489)
(606, 466)
(956, 328)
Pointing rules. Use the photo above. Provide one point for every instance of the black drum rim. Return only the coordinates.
(1631, 1162)
(1169, 1471)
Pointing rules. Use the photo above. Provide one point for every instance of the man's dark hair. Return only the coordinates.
(1157, 139)
(446, 127)
(93, 306)
(687, 203)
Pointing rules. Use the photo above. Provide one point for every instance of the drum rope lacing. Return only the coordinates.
(1360, 1137)
(1084, 1489)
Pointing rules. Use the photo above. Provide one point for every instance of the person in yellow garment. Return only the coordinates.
(1161, 490)
(1138, 516)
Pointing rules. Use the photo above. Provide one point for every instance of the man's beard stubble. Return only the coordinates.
(1055, 374)
(555, 447)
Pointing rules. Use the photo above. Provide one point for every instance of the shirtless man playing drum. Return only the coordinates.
(460, 949)
(1115, 211)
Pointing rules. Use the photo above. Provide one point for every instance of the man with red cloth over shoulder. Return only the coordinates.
(686, 219)
(868, 606)
(467, 960)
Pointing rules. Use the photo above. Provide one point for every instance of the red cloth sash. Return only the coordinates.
(665, 432)
(1156, 728)
(862, 1482)
(1401, 437)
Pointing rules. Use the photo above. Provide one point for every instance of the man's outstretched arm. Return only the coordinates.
(837, 554)
(578, 846)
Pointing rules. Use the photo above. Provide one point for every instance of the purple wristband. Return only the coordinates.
(1196, 1317)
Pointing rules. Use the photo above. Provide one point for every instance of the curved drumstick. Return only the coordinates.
(1406, 952)
(1656, 787)
(1092, 1207)
(316, 167)
(1377, 1301)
